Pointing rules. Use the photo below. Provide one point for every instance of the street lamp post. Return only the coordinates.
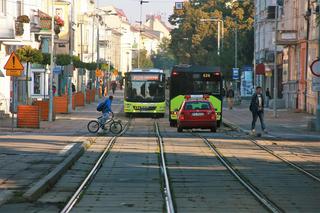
(318, 93)
(220, 32)
(51, 66)
(275, 77)
(140, 22)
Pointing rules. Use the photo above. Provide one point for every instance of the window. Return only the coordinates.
(36, 83)
(3, 7)
(19, 8)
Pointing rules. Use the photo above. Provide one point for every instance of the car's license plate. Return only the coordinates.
(197, 114)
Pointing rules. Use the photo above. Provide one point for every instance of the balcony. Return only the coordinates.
(287, 37)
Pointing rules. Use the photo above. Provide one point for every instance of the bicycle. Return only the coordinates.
(113, 126)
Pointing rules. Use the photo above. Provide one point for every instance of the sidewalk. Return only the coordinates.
(289, 125)
(29, 155)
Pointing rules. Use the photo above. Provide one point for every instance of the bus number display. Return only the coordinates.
(145, 77)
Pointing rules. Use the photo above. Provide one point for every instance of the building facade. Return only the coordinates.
(298, 35)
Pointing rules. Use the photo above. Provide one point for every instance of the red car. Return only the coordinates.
(197, 114)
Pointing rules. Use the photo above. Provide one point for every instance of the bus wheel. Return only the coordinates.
(219, 123)
(173, 124)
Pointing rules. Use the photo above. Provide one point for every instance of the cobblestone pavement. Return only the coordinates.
(288, 124)
(27, 155)
(129, 180)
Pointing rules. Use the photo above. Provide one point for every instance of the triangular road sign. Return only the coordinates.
(13, 63)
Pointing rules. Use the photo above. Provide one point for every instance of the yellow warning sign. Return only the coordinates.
(13, 63)
(15, 73)
(99, 73)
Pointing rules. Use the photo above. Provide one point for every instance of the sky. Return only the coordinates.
(132, 8)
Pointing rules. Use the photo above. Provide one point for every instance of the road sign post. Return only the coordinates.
(315, 69)
(13, 68)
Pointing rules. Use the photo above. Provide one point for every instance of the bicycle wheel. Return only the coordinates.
(93, 126)
(116, 127)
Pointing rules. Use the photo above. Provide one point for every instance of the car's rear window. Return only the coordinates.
(197, 105)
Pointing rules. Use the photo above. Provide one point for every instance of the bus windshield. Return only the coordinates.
(145, 91)
(195, 83)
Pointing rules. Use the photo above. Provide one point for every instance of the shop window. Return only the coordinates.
(36, 83)
(3, 7)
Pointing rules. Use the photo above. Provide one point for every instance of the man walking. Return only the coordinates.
(268, 97)
(257, 109)
(230, 97)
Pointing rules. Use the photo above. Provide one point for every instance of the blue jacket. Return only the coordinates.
(107, 107)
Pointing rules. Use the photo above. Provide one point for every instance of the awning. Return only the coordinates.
(20, 43)
(260, 69)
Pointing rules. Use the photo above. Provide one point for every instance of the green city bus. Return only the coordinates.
(195, 80)
(144, 92)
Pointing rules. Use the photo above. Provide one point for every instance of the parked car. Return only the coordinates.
(196, 114)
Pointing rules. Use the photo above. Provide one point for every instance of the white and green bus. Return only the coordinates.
(144, 92)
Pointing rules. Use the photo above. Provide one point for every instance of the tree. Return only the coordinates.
(29, 55)
(195, 41)
(145, 61)
(164, 59)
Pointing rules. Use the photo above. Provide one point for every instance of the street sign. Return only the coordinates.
(315, 68)
(316, 84)
(15, 73)
(99, 73)
(235, 73)
(13, 66)
(179, 5)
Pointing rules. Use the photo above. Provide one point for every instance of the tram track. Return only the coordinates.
(257, 189)
(86, 182)
(293, 165)
(267, 203)
(164, 170)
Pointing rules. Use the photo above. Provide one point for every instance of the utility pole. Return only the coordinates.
(318, 105)
(140, 23)
(70, 70)
(51, 66)
(307, 17)
(275, 77)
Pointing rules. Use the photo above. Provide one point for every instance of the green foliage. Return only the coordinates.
(45, 58)
(29, 54)
(145, 60)
(91, 66)
(63, 59)
(195, 41)
(164, 59)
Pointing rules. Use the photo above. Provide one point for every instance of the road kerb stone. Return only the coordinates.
(5, 195)
(49, 180)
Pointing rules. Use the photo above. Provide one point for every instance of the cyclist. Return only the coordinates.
(107, 108)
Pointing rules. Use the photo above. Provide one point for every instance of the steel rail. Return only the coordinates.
(76, 196)
(167, 191)
(300, 169)
(265, 201)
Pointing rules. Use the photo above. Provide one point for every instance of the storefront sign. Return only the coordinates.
(315, 68)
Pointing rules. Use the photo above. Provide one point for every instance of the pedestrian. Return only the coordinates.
(114, 86)
(230, 97)
(54, 90)
(268, 97)
(257, 110)
(121, 82)
(73, 87)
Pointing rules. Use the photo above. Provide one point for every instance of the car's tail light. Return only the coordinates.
(187, 97)
(206, 97)
(181, 117)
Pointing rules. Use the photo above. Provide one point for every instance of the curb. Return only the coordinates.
(50, 179)
(233, 126)
(5, 195)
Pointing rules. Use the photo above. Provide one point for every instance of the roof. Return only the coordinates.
(147, 70)
(195, 68)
